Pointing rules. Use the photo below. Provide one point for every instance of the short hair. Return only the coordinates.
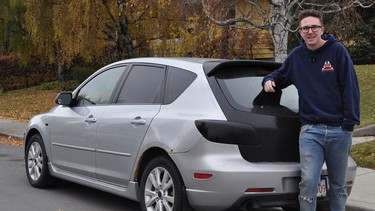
(310, 13)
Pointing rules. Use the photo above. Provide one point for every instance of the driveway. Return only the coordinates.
(16, 193)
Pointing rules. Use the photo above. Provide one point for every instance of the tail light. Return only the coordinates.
(228, 132)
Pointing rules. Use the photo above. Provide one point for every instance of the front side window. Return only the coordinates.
(243, 90)
(144, 85)
(99, 89)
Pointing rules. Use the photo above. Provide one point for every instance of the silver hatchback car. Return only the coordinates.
(175, 134)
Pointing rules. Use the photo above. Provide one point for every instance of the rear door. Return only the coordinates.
(124, 124)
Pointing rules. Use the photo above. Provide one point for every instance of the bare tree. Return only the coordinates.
(275, 16)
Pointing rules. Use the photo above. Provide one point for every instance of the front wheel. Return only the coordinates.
(161, 186)
(36, 162)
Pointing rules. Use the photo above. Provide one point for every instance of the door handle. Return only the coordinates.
(90, 119)
(138, 121)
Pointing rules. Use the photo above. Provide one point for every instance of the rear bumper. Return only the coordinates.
(249, 202)
(232, 176)
(277, 200)
(284, 200)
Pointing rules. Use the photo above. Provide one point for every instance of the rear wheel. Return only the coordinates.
(36, 162)
(161, 186)
(320, 207)
(323, 206)
(290, 208)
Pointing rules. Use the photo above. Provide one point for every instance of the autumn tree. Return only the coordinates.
(274, 16)
(13, 33)
(96, 30)
(38, 18)
(17, 46)
(186, 31)
(4, 22)
(362, 45)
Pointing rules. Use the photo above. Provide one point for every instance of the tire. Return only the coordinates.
(161, 186)
(36, 163)
(323, 206)
(320, 207)
(290, 208)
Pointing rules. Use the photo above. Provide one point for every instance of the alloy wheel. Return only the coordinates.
(35, 161)
(159, 192)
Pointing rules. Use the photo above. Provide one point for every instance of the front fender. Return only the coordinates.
(38, 124)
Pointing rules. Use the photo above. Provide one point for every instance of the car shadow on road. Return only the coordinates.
(100, 199)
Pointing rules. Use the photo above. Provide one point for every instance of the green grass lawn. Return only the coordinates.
(364, 154)
(366, 80)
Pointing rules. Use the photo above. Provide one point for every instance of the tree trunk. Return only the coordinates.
(124, 41)
(60, 72)
(279, 30)
(125, 38)
(280, 42)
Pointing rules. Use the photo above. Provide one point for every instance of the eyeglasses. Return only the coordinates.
(313, 28)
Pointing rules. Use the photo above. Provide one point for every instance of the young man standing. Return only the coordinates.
(324, 75)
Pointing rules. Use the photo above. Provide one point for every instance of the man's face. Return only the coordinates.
(311, 31)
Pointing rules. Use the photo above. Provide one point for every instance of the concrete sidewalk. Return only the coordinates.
(363, 194)
(362, 197)
(12, 128)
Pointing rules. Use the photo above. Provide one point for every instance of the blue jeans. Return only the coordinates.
(319, 143)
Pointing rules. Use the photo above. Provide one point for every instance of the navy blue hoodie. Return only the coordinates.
(326, 82)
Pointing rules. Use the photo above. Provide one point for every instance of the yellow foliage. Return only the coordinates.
(103, 31)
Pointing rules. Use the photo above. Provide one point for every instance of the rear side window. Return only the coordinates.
(144, 85)
(177, 81)
(243, 90)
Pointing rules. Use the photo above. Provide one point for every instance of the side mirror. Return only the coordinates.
(64, 99)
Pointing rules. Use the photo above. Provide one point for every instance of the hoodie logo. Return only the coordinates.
(327, 67)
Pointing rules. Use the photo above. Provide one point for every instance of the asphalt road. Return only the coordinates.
(16, 194)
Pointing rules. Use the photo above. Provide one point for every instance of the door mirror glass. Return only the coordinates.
(64, 99)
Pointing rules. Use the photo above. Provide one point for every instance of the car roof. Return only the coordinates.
(163, 60)
(210, 65)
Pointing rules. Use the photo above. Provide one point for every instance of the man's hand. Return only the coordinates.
(269, 86)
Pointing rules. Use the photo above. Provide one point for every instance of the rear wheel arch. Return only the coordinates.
(146, 158)
(166, 190)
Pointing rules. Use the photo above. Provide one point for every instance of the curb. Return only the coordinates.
(12, 128)
(357, 207)
(365, 131)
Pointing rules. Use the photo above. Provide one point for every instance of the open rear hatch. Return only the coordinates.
(265, 126)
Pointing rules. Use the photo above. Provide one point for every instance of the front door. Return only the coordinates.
(73, 137)
(73, 130)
